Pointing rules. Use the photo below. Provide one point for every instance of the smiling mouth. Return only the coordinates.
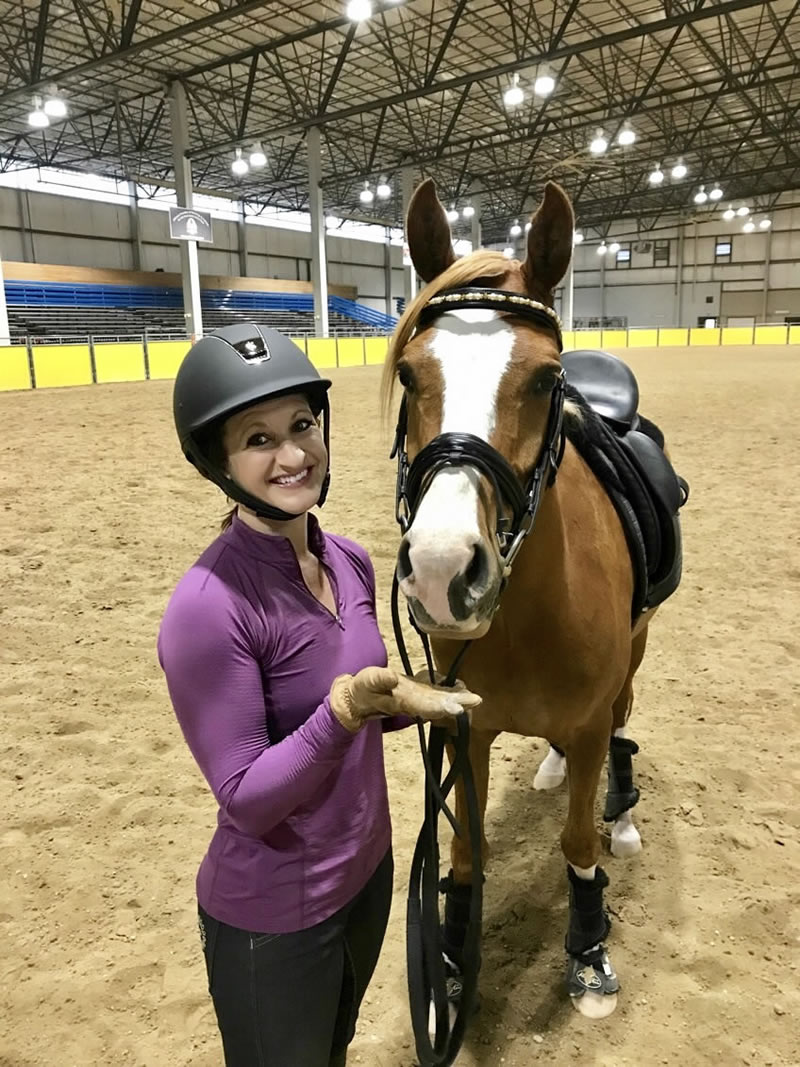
(293, 481)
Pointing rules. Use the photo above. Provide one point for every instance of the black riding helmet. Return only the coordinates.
(230, 369)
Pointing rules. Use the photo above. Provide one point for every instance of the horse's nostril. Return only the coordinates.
(477, 572)
(404, 561)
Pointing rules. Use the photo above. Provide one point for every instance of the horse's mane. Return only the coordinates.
(471, 268)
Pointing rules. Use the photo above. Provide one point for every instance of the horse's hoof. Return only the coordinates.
(625, 839)
(595, 1005)
(551, 773)
(592, 984)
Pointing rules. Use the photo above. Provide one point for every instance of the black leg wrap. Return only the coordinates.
(588, 922)
(456, 917)
(621, 795)
(589, 969)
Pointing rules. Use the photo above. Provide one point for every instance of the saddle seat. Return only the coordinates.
(633, 447)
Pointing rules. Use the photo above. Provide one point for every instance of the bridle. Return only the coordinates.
(465, 449)
(517, 508)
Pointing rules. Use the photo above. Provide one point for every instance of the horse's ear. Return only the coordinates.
(429, 241)
(549, 241)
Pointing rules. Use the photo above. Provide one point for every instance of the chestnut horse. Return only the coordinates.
(555, 655)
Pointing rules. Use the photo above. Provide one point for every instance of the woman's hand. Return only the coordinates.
(377, 691)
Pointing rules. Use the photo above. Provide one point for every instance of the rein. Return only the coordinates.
(427, 977)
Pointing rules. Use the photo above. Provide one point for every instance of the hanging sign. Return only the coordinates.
(189, 224)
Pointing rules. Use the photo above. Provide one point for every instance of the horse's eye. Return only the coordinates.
(544, 383)
(405, 377)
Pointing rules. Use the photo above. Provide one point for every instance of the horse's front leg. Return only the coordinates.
(458, 884)
(591, 980)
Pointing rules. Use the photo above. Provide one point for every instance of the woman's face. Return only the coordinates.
(276, 452)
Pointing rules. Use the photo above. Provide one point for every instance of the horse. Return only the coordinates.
(499, 483)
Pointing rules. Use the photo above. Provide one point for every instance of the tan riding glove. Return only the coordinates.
(377, 691)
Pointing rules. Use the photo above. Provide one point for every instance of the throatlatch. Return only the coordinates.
(589, 969)
(622, 795)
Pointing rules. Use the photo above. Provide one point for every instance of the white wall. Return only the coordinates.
(647, 295)
(49, 228)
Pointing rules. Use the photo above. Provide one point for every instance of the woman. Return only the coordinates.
(277, 673)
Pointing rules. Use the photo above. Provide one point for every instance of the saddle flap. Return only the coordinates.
(607, 384)
(656, 471)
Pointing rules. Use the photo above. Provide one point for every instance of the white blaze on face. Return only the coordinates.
(473, 348)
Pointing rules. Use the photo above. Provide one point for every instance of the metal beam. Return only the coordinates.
(590, 44)
(41, 33)
(130, 23)
(448, 36)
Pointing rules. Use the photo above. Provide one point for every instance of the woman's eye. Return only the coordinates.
(258, 440)
(302, 425)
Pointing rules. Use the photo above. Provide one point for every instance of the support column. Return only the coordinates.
(767, 259)
(241, 233)
(190, 271)
(476, 222)
(409, 273)
(136, 236)
(567, 294)
(602, 289)
(5, 334)
(679, 276)
(387, 272)
(26, 229)
(319, 266)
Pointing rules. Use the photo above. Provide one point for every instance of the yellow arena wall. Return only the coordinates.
(53, 366)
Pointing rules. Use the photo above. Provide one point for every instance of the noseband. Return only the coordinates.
(466, 450)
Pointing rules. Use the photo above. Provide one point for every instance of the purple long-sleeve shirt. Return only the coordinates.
(249, 657)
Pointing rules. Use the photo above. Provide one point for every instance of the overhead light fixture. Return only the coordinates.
(765, 224)
(599, 143)
(742, 211)
(614, 247)
(383, 190)
(258, 157)
(366, 196)
(513, 96)
(749, 226)
(452, 214)
(544, 85)
(728, 213)
(239, 166)
(516, 229)
(331, 221)
(359, 10)
(627, 135)
(54, 106)
(715, 194)
(602, 249)
(577, 237)
(656, 175)
(701, 195)
(468, 211)
(528, 227)
(508, 252)
(679, 170)
(38, 117)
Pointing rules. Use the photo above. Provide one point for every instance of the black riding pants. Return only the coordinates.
(292, 1000)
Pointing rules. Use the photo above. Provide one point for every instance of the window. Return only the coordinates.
(661, 253)
(722, 250)
(624, 257)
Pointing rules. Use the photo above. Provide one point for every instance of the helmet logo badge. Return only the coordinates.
(253, 350)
